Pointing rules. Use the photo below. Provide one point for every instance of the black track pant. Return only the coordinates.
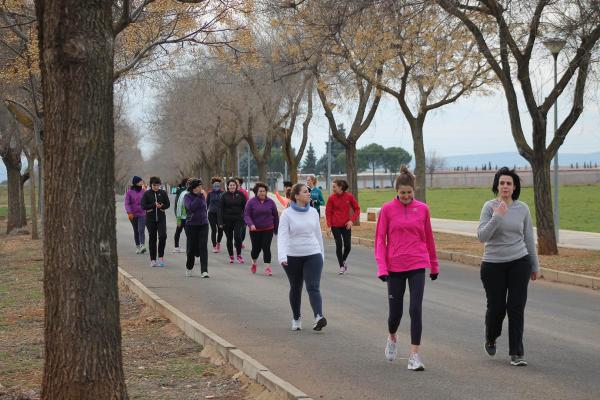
(396, 288)
(233, 232)
(157, 228)
(505, 287)
(342, 249)
(261, 241)
(216, 233)
(178, 232)
(197, 240)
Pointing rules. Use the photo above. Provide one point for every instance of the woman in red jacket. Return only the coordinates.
(341, 211)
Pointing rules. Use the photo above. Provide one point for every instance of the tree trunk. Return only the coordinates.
(416, 128)
(351, 172)
(24, 178)
(16, 207)
(82, 332)
(261, 166)
(542, 197)
(232, 166)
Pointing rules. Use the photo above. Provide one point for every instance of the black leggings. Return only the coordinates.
(305, 269)
(197, 240)
(396, 287)
(216, 232)
(233, 232)
(505, 287)
(261, 241)
(178, 232)
(345, 235)
(157, 228)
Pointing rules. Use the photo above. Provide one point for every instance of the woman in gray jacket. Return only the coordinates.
(509, 261)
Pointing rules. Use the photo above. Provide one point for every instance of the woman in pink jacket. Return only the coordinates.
(404, 248)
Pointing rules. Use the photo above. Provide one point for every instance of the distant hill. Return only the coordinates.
(514, 159)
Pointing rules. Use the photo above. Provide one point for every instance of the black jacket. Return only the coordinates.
(148, 203)
(232, 207)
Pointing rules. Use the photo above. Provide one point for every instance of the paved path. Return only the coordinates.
(346, 360)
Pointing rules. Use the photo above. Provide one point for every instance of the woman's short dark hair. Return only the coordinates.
(287, 184)
(193, 183)
(234, 181)
(240, 180)
(259, 185)
(215, 179)
(516, 181)
(406, 178)
(296, 190)
(155, 179)
(183, 182)
(341, 183)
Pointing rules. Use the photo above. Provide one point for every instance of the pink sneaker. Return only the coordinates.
(253, 268)
(243, 246)
(240, 259)
(230, 259)
(215, 249)
(218, 247)
(268, 271)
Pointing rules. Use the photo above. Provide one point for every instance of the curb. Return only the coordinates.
(213, 342)
(548, 274)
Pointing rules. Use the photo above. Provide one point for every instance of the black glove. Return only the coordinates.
(383, 278)
(433, 276)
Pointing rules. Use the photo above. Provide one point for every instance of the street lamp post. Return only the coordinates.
(555, 46)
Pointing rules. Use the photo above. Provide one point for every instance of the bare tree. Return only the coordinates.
(433, 163)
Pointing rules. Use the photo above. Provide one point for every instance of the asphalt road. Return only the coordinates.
(346, 360)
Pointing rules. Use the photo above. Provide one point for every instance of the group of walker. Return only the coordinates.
(404, 245)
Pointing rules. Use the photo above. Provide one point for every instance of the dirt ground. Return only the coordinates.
(583, 262)
(159, 361)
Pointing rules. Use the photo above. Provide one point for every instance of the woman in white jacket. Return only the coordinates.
(301, 254)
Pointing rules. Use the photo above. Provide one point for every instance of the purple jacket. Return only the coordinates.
(133, 200)
(195, 209)
(263, 214)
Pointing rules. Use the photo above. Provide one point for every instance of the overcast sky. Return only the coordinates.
(474, 125)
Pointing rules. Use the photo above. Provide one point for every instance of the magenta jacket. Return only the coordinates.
(404, 239)
(133, 200)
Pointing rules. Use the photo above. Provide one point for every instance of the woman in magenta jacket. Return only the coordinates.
(404, 248)
(136, 214)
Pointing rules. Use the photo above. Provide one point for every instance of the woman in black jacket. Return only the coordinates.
(231, 218)
(155, 201)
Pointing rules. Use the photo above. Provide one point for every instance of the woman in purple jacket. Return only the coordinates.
(196, 227)
(261, 216)
(136, 214)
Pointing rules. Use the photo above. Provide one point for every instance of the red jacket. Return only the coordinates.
(338, 208)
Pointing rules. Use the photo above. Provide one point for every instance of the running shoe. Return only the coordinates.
(142, 249)
(345, 266)
(253, 268)
(268, 271)
(215, 249)
(153, 263)
(205, 275)
(230, 259)
(415, 363)
(161, 262)
(297, 324)
(341, 271)
(177, 250)
(490, 348)
(320, 323)
(391, 350)
(188, 273)
(243, 246)
(240, 259)
(218, 247)
(138, 248)
(518, 361)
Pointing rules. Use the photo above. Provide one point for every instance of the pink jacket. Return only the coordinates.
(404, 239)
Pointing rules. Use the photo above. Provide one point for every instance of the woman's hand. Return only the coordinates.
(252, 228)
(534, 275)
(501, 209)
(284, 264)
(349, 225)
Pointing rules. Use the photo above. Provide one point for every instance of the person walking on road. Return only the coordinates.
(155, 201)
(404, 249)
(231, 219)
(179, 191)
(509, 262)
(262, 218)
(196, 227)
(316, 196)
(240, 182)
(341, 211)
(214, 203)
(136, 214)
(301, 254)
(287, 191)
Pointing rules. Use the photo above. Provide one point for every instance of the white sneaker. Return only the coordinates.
(296, 325)
(204, 275)
(414, 363)
(138, 248)
(188, 273)
(177, 250)
(391, 350)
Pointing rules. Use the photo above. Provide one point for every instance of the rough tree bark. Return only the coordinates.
(82, 333)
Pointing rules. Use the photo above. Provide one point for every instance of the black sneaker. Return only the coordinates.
(518, 361)
(320, 323)
(490, 348)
